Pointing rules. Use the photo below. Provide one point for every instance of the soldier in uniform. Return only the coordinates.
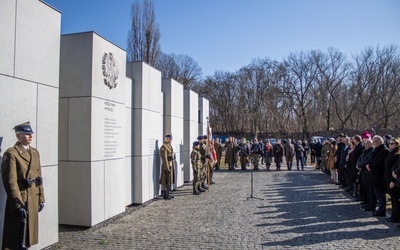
(167, 170)
(243, 153)
(209, 161)
(218, 150)
(22, 178)
(255, 153)
(195, 158)
(229, 153)
(202, 149)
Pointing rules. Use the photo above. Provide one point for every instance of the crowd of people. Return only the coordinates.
(260, 153)
(366, 166)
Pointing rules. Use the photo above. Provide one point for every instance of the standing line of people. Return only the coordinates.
(367, 168)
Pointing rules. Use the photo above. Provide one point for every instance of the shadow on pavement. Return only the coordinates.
(319, 213)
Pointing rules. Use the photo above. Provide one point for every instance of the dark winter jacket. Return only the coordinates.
(377, 165)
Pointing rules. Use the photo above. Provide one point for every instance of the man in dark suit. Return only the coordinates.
(338, 154)
(352, 166)
(343, 163)
(376, 169)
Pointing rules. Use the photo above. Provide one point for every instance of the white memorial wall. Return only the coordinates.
(190, 129)
(173, 124)
(92, 129)
(203, 115)
(147, 130)
(29, 83)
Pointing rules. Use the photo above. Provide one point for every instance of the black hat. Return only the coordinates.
(24, 128)
(168, 136)
(196, 143)
(200, 137)
(204, 137)
(389, 137)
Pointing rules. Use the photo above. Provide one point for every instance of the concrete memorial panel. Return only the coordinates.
(203, 115)
(173, 124)
(190, 128)
(147, 109)
(92, 125)
(29, 83)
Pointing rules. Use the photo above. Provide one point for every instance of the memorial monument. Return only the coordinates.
(29, 83)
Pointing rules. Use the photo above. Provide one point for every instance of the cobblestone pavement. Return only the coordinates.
(298, 210)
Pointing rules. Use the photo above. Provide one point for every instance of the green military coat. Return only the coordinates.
(19, 164)
(167, 170)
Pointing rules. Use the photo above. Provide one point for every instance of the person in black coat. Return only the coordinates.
(343, 163)
(391, 163)
(396, 177)
(367, 193)
(338, 154)
(312, 151)
(317, 152)
(277, 151)
(376, 168)
(298, 147)
(352, 166)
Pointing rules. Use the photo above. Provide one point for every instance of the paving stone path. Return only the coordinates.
(298, 210)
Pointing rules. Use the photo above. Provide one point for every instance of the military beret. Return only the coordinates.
(200, 137)
(204, 137)
(24, 128)
(196, 143)
(168, 136)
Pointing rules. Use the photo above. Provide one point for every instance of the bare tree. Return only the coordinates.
(333, 70)
(299, 79)
(144, 35)
(182, 68)
(222, 90)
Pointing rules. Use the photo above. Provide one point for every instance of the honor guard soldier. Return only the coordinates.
(22, 179)
(202, 149)
(218, 149)
(195, 158)
(243, 153)
(210, 166)
(255, 153)
(167, 170)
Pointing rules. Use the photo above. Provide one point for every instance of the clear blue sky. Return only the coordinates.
(228, 34)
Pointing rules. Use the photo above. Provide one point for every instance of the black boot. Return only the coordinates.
(204, 186)
(201, 190)
(166, 195)
(195, 192)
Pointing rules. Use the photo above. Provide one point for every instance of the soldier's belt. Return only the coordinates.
(30, 181)
(170, 158)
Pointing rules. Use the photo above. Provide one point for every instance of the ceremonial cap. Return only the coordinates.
(24, 128)
(196, 143)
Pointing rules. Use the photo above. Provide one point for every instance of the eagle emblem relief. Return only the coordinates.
(110, 70)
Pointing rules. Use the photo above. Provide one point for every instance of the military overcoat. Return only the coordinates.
(18, 165)
(167, 158)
